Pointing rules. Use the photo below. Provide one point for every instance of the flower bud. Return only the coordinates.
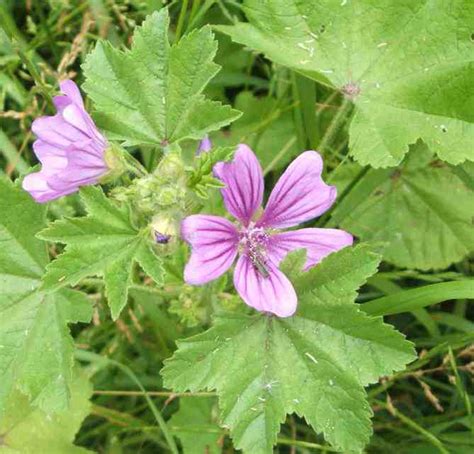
(165, 228)
(114, 161)
(204, 146)
(70, 147)
(171, 167)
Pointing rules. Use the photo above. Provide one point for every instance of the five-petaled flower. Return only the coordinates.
(69, 147)
(299, 195)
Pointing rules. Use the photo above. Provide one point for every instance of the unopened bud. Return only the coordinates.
(204, 146)
(160, 238)
(165, 228)
(171, 167)
(114, 161)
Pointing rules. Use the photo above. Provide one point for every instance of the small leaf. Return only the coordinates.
(104, 243)
(200, 177)
(152, 93)
(36, 349)
(404, 83)
(411, 209)
(28, 430)
(314, 364)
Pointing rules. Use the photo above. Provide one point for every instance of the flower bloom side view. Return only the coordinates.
(257, 240)
(69, 147)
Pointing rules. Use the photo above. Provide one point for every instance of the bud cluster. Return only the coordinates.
(189, 306)
(159, 198)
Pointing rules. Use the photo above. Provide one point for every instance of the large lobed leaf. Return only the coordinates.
(36, 349)
(423, 211)
(408, 66)
(314, 364)
(152, 93)
(28, 430)
(104, 243)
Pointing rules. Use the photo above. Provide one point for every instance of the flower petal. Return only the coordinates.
(69, 147)
(318, 243)
(57, 131)
(273, 293)
(81, 120)
(243, 178)
(214, 243)
(72, 123)
(299, 195)
(71, 90)
(37, 185)
(51, 157)
(67, 166)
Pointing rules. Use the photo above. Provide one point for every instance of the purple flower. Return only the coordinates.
(299, 195)
(204, 146)
(69, 147)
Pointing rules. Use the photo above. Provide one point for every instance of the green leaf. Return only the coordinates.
(200, 178)
(409, 67)
(314, 364)
(104, 243)
(28, 430)
(36, 349)
(152, 93)
(195, 424)
(412, 209)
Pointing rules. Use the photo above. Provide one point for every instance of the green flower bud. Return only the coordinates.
(168, 195)
(171, 167)
(113, 157)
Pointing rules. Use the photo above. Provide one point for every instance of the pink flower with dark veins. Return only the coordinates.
(69, 147)
(257, 240)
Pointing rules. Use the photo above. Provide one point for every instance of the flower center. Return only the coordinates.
(253, 243)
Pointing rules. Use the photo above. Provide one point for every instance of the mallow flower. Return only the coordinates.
(257, 237)
(69, 147)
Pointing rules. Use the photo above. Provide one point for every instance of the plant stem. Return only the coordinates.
(279, 155)
(409, 422)
(182, 14)
(134, 165)
(334, 126)
(194, 9)
(152, 393)
(307, 123)
(322, 221)
(83, 355)
(304, 444)
(33, 72)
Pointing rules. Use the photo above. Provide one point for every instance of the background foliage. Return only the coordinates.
(383, 91)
